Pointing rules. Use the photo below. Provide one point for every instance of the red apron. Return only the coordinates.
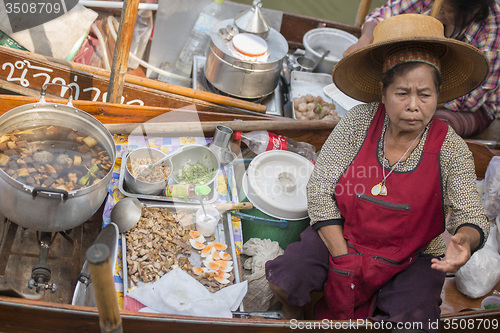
(384, 233)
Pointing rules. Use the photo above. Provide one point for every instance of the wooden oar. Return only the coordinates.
(150, 83)
(436, 7)
(101, 274)
(185, 128)
(364, 7)
(122, 50)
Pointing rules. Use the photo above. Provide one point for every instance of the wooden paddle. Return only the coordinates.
(436, 7)
(364, 7)
(101, 274)
(122, 51)
(195, 128)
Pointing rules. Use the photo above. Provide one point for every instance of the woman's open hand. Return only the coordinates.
(458, 250)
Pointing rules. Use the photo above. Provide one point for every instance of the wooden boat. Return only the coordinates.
(55, 314)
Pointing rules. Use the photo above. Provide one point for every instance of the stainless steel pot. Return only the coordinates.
(45, 209)
(241, 78)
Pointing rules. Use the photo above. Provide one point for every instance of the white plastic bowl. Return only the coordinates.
(275, 182)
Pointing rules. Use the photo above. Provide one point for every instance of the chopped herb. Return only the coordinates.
(195, 173)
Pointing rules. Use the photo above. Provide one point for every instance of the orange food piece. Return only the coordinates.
(194, 234)
(219, 246)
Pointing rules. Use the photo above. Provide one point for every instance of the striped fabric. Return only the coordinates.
(485, 37)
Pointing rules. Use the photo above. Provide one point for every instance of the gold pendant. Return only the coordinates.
(377, 189)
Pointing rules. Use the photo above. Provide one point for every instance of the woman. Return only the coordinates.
(385, 180)
(474, 22)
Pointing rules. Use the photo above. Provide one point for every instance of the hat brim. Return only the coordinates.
(463, 68)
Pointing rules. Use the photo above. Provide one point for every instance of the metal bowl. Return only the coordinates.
(139, 186)
(192, 154)
(317, 41)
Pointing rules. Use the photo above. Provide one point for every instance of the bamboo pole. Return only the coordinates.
(364, 7)
(436, 8)
(101, 274)
(176, 128)
(122, 50)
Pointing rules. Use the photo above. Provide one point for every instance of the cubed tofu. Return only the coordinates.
(23, 172)
(90, 141)
(4, 159)
(77, 160)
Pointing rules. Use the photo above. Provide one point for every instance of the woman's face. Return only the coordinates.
(411, 100)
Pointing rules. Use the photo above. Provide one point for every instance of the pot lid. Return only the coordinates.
(249, 44)
(277, 46)
(275, 182)
(252, 20)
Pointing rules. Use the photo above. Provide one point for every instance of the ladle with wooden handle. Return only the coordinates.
(127, 212)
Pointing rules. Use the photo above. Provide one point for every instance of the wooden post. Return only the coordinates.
(364, 7)
(101, 275)
(122, 50)
(436, 7)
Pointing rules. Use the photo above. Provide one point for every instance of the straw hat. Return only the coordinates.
(463, 67)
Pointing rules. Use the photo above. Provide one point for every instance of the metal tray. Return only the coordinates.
(303, 83)
(122, 186)
(223, 234)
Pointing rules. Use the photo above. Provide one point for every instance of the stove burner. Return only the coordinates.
(40, 274)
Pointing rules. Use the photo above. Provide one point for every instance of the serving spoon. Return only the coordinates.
(127, 212)
(145, 169)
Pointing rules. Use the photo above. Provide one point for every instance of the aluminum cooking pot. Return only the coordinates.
(239, 77)
(44, 209)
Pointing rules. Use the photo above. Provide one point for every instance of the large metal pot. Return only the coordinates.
(46, 209)
(242, 78)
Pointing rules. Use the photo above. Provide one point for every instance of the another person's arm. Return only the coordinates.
(390, 8)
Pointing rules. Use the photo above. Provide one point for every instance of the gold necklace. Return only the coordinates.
(380, 188)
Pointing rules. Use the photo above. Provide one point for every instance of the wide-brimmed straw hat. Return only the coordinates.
(463, 67)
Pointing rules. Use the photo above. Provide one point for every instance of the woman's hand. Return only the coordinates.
(332, 236)
(458, 250)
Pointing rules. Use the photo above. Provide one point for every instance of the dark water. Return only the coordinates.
(343, 11)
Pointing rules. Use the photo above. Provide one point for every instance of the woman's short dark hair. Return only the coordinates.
(403, 68)
(464, 8)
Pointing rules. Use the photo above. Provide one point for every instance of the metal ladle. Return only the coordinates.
(327, 52)
(126, 213)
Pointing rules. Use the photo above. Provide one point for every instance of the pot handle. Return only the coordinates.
(64, 194)
(246, 66)
(43, 92)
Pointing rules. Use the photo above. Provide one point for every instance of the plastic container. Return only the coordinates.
(317, 41)
(491, 302)
(284, 236)
(275, 183)
(207, 224)
(199, 38)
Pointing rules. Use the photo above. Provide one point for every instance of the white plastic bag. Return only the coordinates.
(491, 200)
(259, 251)
(482, 272)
